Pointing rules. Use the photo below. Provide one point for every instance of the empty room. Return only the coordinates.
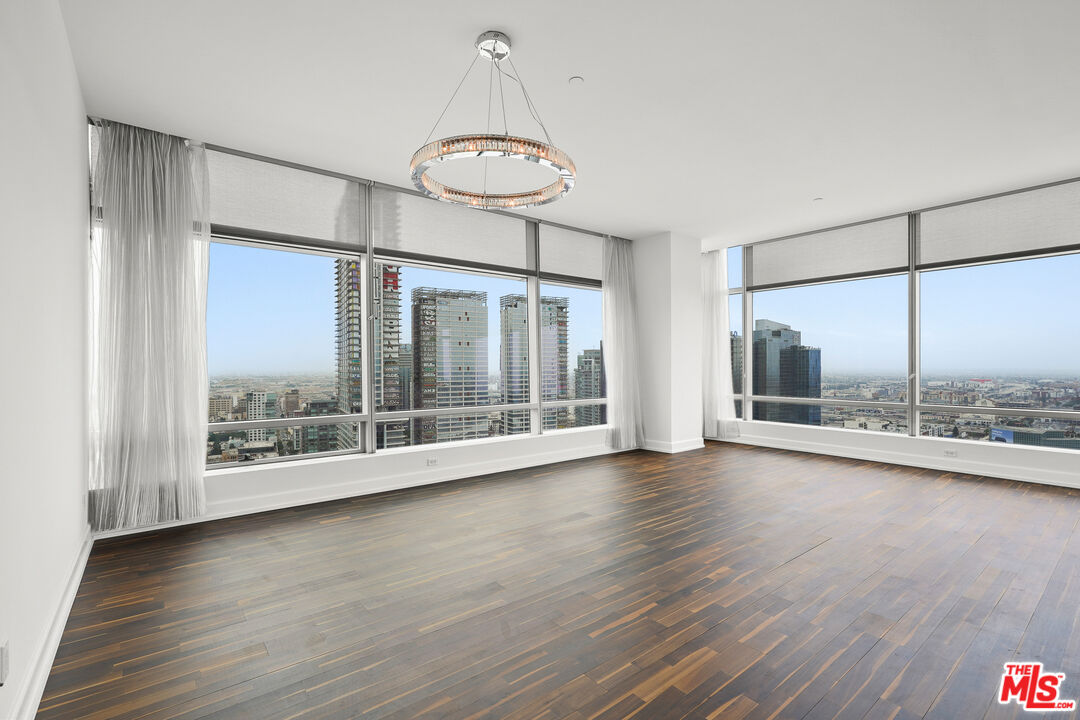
(581, 361)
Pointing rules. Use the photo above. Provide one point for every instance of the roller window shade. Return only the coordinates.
(264, 197)
(572, 253)
(409, 225)
(870, 248)
(1030, 222)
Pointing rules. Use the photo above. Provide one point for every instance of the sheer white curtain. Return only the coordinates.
(620, 347)
(718, 397)
(148, 385)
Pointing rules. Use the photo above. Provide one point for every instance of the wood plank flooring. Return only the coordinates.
(729, 582)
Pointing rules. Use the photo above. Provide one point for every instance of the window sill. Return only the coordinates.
(1027, 463)
(411, 450)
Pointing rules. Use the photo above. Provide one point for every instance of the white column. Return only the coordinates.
(667, 271)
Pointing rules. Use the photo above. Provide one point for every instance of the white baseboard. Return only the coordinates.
(673, 447)
(26, 704)
(1026, 464)
(308, 495)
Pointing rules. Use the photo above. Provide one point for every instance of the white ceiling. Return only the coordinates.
(720, 120)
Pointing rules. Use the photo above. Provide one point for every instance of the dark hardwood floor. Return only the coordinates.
(729, 582)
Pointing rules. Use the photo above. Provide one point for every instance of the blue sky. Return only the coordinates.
(1020, 317)
(272, 313)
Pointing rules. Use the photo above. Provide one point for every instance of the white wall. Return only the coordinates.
(1013, 462)
(238, 490)
(667, 270)
(43, 202)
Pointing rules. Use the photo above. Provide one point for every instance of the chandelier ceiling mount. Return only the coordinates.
(493, 45)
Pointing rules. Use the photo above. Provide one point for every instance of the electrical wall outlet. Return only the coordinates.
(432, 461)
(4, 664)
(950, 453)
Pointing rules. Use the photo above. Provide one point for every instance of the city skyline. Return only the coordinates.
(248, 292)
(785, 367)
(445, 366)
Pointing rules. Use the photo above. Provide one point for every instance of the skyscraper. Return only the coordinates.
(590, 382)
(450, 362)
(736, 362)
(799, 372)
(350, 361)
(800, 376)
(405, 370)
(514, 361)
(554, 359)
(387, 369)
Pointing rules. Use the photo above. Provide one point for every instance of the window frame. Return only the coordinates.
(370, 257)
(533, 278)
(914, 406)
(578, 284)
(257, 240)
(442, 264)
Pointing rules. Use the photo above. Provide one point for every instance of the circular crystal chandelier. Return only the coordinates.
(494, 47)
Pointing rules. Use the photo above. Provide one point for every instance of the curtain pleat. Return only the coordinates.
(620, 347)
(718, 396)
(148, 405)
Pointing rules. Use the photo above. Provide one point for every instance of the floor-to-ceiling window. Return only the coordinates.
(842, 341)
(954, 322)
(449, 339)
(348, 318)
(273, 357)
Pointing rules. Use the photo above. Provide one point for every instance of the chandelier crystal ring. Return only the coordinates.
(508, 146)
(493, 46)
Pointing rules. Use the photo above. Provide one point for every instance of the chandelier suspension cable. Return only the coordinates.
(528, 101)
(462, 82)
(502, 99)
(491, 73)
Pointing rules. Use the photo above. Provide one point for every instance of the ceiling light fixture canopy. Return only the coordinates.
(494, 47)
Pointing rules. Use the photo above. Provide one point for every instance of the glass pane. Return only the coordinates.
(449, 428)
(574, 417)
(570, 337)
(273, 354)
(265, 443)
(442, 343)
(836, 416)
(734, 267)
(1040, 432)
(878, 419)
(735, 310)
(1002, 335)
(837, 340)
